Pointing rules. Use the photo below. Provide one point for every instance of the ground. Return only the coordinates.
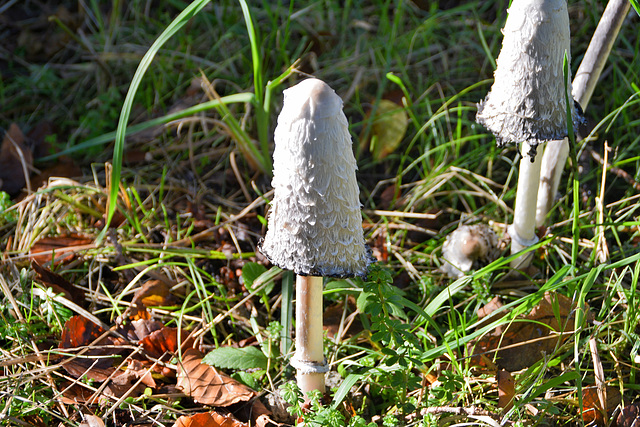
(165, 312)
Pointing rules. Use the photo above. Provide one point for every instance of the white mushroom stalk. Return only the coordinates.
(556, 152)
(315, 222)
(527, 102)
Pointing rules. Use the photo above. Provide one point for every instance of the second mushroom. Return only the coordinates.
(527, 102)
(315, 222)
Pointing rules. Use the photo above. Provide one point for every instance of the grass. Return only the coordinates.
(192, 211)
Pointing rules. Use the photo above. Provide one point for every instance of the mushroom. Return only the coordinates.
(556, 152)
(315, 223)
(527, 102)
(467, 245)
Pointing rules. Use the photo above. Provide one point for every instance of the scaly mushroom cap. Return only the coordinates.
(527, 100)
(315, 223)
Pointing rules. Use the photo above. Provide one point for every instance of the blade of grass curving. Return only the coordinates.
(262, 118)
(344, 389)
(190, 11)
(636, 5)
(238, 98)
(575, 228)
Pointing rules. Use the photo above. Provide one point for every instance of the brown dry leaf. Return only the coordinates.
(487, 311)
(122, 384)
(145, 327)
(96, 362)
(74, 393)
(154, 293)
(209, 419)
(206, 385)
(165, 340)
(506, 389)
(15, 159)
(332, 318)
(91, 421)
(63, 247)
(59, 284)
(66, 168)
(526, 340)
(592, 409)
(629, 416)
(80, 331)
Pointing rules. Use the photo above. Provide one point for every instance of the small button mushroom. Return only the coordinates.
(465, 247)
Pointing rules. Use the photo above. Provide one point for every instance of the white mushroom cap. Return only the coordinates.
(527, 100)
(315, 222)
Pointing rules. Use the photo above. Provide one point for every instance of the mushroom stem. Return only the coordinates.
(556, 152)
(523, 230)
(309, 357)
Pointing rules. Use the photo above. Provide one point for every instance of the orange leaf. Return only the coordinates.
(206, 385)
(165, 340)
(592, 408)
(63, 247)
(154, 293)
(81, 332)
(506, 389)
(209, 419)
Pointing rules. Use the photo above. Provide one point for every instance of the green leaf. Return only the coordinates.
(636, 6)
(345, 388)
(236, 358)
(250, 272)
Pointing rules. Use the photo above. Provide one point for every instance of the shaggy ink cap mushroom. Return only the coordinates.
(527, 101)
(315, 222)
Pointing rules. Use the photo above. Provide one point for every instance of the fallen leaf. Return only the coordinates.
(59, 284)
(206, 385)
(388, 129)
(154, 293)
(80, 331)
(629, 416)
(332, 318)
(91, 421)
(15, 160)
(63, 247)
(64, 169)
(522, 343)
(209, 419)
(75, 393)
(35, 421)
(144, 327)
(165, 340)
(506, 389)
(592, 408)
(97, 361)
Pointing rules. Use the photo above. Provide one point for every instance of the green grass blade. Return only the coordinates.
(190, 11)
(238, 98)
(262, 119)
